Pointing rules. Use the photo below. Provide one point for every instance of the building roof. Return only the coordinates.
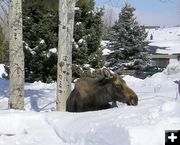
(164, 41)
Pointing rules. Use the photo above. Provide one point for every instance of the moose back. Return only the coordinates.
(91, 94)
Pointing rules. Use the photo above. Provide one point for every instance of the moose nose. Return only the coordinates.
(134, 100)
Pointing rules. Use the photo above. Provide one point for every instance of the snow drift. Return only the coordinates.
(157, 111)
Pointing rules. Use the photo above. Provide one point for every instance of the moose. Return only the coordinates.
(90, 94)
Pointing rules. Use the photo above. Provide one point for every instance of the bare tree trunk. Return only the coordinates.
(64, 74)
(71, 13)
(62, 58)
(16, 100)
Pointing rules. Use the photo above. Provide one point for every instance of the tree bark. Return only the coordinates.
(71, 14)
(64, 65)
(16, 100)
(62, 58)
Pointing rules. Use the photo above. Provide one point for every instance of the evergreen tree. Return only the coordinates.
(87, 37)
(4, 49)
(127, 40)
(40, 30)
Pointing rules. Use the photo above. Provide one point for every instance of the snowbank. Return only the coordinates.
(173, 68)
(124, 125)
(145, 124)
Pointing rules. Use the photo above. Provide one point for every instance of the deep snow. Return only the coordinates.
(157, 111)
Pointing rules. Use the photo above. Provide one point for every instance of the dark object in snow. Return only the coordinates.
(178, 83)
(151, 37)
(147, 71)
(95, 94)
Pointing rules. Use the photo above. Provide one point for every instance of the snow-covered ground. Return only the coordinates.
(158, 110)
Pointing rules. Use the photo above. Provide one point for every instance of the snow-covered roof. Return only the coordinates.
(171, 46)
(168, 38)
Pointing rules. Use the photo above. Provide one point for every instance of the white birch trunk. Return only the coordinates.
(62, 58)
(16, 100)
(71, 14)
(64, 74)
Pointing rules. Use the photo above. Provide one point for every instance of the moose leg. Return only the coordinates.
(114, 104)
(105, 106)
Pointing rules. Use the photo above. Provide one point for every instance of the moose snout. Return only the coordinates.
(134, 100)
(131, 97)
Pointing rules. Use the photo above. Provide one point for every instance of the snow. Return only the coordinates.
(42, 41)
(145, 124)
(106, 51)
(81, 41)
(78, 23)
(173, 68)
(87, 65)
(172, 33)
(104, 45)
(53, 50)
(2, 70)
(28, 48)
(172, 46)
(166, 37)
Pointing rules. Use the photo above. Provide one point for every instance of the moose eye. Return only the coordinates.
(119, 85)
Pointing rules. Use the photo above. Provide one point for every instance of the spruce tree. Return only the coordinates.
(127, 40)
(40, 30)
(87, 37)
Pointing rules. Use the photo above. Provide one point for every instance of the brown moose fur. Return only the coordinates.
(95, 94)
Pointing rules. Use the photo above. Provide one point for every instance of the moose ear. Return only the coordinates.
(106, 73)
(120, 70)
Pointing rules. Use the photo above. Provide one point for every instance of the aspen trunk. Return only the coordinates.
(16, 100)
(71, 13)
(64, 74)
(62, 58)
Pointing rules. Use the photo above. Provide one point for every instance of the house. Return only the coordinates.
(165, 46)
(162, 56)
(163, 60)
(152, 27)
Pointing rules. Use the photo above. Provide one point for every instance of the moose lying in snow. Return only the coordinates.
(95, 94)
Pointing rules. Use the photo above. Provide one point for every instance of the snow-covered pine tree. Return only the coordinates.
(87, 52)
(127, 40)
(40, 30)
